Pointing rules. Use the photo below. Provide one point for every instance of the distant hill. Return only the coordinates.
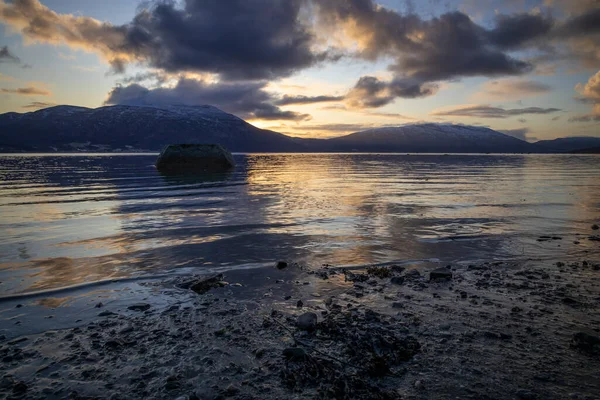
(432, 138)
(125, 128)
(136, 128)
(589, 150)
(570, 144)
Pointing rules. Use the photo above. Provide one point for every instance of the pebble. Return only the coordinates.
(281, 264)
(294, 353)
(440, 274)
(586, 343)
(307, 321)
(397, 280)
(106, 313)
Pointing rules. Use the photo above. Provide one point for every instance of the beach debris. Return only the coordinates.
(203, 285)
(413, 274)
(307, 321)
(595, 227)
(397, 280)
(352, 277)
(440, 274)
(380, 272)
(139, 307)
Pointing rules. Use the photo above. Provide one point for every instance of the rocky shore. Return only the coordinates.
(526, 329)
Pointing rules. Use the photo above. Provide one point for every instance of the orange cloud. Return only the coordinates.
(27, 91)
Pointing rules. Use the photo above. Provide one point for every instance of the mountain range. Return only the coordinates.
(136, 128)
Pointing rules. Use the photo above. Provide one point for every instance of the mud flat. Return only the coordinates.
(526, 329)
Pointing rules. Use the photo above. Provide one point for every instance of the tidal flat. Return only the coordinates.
(527, 329)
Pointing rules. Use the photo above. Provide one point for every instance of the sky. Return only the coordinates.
(315, 68)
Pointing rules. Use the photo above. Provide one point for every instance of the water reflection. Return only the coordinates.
(69, 220)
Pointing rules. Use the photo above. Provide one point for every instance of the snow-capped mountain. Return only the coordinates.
(129, 128)
(137, 128)
(433, 138)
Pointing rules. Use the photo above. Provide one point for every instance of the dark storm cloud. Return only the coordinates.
(513, 31)
(244, 99)
(249, 39)
(288, 100)
(485, 111)
(253, 39)
(7, 57)
(582, 25)
(445, 47)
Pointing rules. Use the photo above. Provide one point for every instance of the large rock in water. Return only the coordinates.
(194, 157)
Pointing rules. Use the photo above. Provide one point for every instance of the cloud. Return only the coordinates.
(241, 39)
(585, 118)
(511, 89)
(581, 25)
(371, 92)
(591, 90)
(486, 111)
(517, 30)
(387, 115)
(248, 100)
(288, 100)
(589, 94)
(38, 105)
(446, 47)
(27, 91)
(6, 78)
(7, 57)
(258, 40)
(84, 68)
(323, 130)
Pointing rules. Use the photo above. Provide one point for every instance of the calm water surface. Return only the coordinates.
(68, 220)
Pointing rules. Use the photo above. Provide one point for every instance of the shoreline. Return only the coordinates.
(500, 329)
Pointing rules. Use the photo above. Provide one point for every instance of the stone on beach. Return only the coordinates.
(440, 274)
(307, 321)
(281, 264)
(586, 343)
(203, 285)
(194, 157)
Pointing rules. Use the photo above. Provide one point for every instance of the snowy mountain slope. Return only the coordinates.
(433, 138)
(67, 128)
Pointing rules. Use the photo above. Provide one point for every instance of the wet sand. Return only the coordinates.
(523, 329)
